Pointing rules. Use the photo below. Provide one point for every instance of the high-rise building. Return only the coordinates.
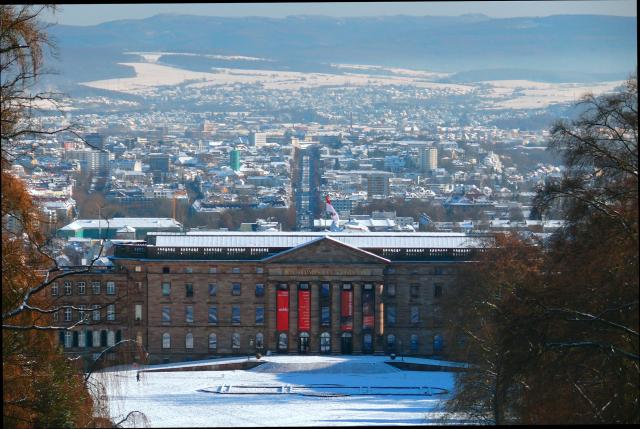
(378, 185)
(306, 184)
(95, 140)
(428, 159)
(258, 139)
(94, 162)
(159, 165)
(234, 159)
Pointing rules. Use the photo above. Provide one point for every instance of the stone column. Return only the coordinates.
(378, 336)
(270, 336)
(357, 318)
(293, 317)
(314, 335)
(336, 287)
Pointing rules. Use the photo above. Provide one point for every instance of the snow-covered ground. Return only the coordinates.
(150, 75)
(293, 391)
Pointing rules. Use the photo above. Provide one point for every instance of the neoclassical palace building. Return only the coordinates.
(205, 294)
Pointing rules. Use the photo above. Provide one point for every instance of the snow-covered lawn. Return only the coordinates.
(294, 393)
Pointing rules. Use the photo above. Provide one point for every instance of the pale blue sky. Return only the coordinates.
(75, 14)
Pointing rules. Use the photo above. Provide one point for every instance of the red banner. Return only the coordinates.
(282, 311)
(367, 309)
(346, 310)
(304, 310)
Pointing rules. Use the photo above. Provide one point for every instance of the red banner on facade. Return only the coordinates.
(282, 310)
(346, 310)
(367, 309)
(304, 310)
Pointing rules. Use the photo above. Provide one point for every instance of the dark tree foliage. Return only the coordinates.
(561, 345)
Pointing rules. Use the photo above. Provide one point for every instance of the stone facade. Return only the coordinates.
(181, 303)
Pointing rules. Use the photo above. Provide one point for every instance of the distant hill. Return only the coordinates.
(564, 46)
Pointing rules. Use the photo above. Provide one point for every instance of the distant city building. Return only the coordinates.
(95, 140)
(258, 139)
(428, 159)
(159, 165)
(234, 159)
(378, 185)
(110, 228)
(94, 162)
(306, 183)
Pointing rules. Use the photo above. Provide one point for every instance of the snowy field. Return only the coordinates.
(284, 391)
(150, 75)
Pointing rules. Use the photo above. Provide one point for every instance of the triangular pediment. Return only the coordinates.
(325, 250)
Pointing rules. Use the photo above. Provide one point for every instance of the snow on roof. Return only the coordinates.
(120, 222)
(372, 240)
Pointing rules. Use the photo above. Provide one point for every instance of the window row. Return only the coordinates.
(91, 312)
(212, 341)
(391, 315)
(236, 289)
(414, 290)
(212, 314)
(210, 270)
(89, 338)
(81, 288)
(394, 345)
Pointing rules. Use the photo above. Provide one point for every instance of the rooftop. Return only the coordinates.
(120, 222)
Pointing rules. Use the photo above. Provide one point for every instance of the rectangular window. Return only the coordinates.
(260, 315)
(138, 311)
(213, 314)
(259, 289)
(391, 289)
(54, 289)
(138, 269)
(188, 270)
(235, 314)
(165, 270)
(96, 312)
(166, 314)
(188, 314)
(325, 316)
(259, 270)
(81, 288)
(67, 314)
(438, 271)
(111, 312)
(96, 339)
(82, 339)
(111, 288)
(414, 291)
(56, 316)
(166, 289)
(325, 290)
(235, 289)
(67, 288)
(188, 290)
(235, 341)
(415, 314)
(213, 270)
(68, 339)
(235, 270)
(391, 315)
(437, 290)
(96, 288)
(213, 341)
(81, 312)
(213, 289)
